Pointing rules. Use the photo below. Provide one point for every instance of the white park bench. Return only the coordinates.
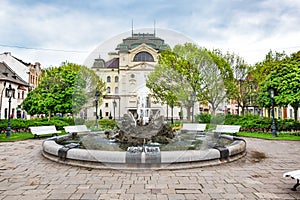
(294, 175)
(76, 129)
(188, 127)
(37, 131)
(233, 129)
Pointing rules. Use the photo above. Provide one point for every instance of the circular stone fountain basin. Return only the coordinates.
(125, 160)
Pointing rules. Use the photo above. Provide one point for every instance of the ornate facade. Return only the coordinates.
(125, 74)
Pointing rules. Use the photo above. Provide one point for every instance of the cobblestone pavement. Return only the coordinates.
(26, 174)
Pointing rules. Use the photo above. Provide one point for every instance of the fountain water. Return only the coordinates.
(143, 109)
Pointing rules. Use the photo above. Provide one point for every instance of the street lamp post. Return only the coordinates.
(273, 117)
(96, 101)
(10, 91)
(114, 105)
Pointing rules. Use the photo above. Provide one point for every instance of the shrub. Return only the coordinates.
(249, 122)
(106, 124)
(22, 125)
(203, 118)
(79, 121)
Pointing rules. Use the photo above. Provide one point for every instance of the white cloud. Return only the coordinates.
(248, 28)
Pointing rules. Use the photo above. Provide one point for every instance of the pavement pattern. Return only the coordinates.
(26, 175)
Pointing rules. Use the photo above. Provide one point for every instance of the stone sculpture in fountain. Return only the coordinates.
(148, 128)
(134, 134)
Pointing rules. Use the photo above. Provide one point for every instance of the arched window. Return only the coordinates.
(143, 56)
(108, 79)
(108, 89)
(116, 79)
(116, 90)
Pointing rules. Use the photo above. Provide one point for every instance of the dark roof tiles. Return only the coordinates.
(112, 64)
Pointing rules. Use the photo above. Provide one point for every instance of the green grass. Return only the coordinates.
(21, 136)
(15, 136)
(280, 136)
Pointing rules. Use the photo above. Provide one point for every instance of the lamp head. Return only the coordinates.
(271, 90)
(10, 91)
(97, 94)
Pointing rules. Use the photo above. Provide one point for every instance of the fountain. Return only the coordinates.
(151, 146)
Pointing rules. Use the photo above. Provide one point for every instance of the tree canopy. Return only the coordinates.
(63, 89)
(285, 80)
(191, 71)
(244, 88)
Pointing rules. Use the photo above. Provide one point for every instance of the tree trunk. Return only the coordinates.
(49, 115)
(213, 109)
(243, 111)
(188, 111)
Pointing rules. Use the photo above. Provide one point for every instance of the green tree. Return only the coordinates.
(181, 77)
(244, 89)
(87, 82)
(164, 87)
(194, 72)
(61, 90)
(218, 80)
(285, 80)
(260, 71)
(264, 68)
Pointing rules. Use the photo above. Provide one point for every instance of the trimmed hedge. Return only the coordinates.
(22, 125)
(103, 124)
(249, 122)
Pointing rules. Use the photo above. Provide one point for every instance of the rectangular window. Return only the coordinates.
(291, 113)
(106, 114)
(106, 105)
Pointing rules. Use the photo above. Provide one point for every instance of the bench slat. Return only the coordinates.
(42, 130)
(76, 129)
(193, 127)
(227, 128)
(294, 175)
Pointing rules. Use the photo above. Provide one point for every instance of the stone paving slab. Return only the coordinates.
(26, 174)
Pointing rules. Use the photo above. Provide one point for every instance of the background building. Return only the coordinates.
(125, 74)
(23, 77)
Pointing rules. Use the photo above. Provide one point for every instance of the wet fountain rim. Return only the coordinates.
(100, 159)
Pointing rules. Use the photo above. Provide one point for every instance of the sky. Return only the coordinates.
(55, 31)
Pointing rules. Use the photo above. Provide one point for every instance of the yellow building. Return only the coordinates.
(125, 74)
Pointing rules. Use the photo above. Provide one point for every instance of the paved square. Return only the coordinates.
(26, 174)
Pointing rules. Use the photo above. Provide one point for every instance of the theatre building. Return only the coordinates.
(125, 74)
